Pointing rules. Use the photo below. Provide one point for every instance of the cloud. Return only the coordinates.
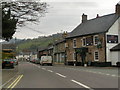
(66, 15)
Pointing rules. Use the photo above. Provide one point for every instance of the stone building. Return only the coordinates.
(92, 40)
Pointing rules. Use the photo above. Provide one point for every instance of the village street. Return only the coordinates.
(59, 76)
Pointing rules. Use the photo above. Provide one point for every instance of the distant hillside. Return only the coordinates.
(40, 42)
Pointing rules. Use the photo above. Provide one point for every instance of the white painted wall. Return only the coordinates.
(114, 57)
(114, 30)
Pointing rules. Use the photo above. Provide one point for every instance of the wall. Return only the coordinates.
(59, 52)
(91, 49)
(114, 30)
(114, 57)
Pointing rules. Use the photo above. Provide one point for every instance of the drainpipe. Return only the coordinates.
(105, 47)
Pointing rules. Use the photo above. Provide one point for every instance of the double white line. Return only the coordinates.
(13, 84)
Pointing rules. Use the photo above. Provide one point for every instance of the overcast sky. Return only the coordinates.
(65, 15)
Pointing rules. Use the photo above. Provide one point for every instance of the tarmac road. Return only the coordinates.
(36, 76)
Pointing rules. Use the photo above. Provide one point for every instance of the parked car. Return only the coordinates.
(33, 61)
(118, 64)
(37, 61)
(7, 63)
(15, 61)
(46, 60)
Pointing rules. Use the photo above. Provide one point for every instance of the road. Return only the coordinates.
(60, 76)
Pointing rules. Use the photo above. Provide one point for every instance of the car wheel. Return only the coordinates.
(42, 64)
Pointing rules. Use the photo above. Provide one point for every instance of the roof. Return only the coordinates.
(116, 48)
(60, 41)
(8, 46)
(94, 26)
(118, 3)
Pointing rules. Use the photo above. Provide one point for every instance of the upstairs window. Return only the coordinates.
(74, 43)
(87, 41)
(112, 38)
(84, 42)
(96, 39)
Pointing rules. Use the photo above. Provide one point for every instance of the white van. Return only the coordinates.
(46, 60)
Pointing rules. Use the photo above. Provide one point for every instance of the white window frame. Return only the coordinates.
(75, 42)
(83, 42)
(94, 39)
(95, 56)
(74, 56)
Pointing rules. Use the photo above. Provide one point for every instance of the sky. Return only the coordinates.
(65, 15)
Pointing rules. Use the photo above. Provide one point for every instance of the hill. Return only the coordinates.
(36, 43)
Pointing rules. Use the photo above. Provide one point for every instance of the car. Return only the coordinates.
(33, 60)
(46, 60)
(7, 63)
(15, 61)
(37, 61)
(118, 64)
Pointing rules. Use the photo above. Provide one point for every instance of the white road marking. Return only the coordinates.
(85, 86)
(94, 72)
(44, 68)
(100, 72)
(38, 66)
(9, 80)
(50, 70)
(113, 75)
(108, 74)
(61, 75)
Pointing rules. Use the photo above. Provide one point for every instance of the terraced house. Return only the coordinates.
(59, 51)
(91, 41)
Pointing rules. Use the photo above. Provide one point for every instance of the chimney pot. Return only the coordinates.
(117, 9)
(97, 16)
(84, 18)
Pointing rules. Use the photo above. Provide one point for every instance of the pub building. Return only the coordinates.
(93, 41)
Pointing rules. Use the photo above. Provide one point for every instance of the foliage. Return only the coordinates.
(37, 43)
(18, 12)
(8, 25)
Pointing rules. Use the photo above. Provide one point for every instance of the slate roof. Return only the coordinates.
(116, 48)
(60, 41)
(94, 26)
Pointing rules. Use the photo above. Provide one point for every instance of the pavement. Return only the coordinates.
(60, 76)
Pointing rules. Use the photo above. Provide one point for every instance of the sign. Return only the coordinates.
(112, 38)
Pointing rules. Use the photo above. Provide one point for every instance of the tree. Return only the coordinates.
(15, 14)
(8, 25)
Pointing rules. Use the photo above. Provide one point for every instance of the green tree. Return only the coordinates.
(8, 25)
(16, 13)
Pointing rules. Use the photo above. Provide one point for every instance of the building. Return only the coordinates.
(91, 42)
(115, 54)
(60, 51)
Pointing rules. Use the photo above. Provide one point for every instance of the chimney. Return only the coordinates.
(84, 18)
(97, 16)
(118, 9)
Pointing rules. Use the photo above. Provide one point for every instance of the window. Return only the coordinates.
(87, 41)
(96, 40)
(74, 43)
(74, 56)
(84, 42)
(96, 56)
(112, 38)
